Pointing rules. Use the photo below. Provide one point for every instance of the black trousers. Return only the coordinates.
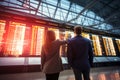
(53, 76)
(79, 73)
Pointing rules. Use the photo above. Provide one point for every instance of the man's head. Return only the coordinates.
(78, 30)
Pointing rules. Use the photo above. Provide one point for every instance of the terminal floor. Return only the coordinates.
(102, 73)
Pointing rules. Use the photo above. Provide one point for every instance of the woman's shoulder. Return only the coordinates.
(60, 41)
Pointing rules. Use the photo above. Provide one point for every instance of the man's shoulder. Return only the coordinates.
(87, 40)
(72, 39)
(76, 38)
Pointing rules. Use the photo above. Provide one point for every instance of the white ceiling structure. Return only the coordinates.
(95, 14)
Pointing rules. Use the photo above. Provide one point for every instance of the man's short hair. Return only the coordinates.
(78, 29)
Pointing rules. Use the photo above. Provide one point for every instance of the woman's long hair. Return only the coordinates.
(50, 37)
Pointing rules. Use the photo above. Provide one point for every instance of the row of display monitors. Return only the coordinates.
(18, 39)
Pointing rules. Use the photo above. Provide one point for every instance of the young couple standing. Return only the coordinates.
(79, 54)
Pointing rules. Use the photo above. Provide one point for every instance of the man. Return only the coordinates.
(80, 55)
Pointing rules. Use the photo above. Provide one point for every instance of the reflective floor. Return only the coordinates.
(105, 73)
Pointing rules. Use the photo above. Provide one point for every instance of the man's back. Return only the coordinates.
(80, 55)
(79, 52)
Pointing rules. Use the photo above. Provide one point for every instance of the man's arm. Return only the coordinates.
(69, 54)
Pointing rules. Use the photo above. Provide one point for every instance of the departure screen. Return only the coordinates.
(17, 39)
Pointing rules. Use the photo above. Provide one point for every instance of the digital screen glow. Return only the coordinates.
(56, 32)
(96, 45)
(118, 44)
(37, 40)
(19, 39)
(2, 31)
(15, 39)
(109, 47)
(86, 35)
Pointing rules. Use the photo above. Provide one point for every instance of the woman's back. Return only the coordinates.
(53, 63)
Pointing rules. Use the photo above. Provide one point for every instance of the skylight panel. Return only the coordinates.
(53, 2)
(91, 14)
(45, 11)
(65, 4)
(34, 1)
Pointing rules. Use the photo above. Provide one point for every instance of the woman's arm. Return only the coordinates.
(63, 42)
(42, 57)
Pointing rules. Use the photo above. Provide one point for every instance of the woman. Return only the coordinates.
(51, 63)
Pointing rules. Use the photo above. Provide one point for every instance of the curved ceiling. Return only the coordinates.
(109, 10)
(96, 14)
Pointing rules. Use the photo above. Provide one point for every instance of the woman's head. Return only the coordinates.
(50, 36)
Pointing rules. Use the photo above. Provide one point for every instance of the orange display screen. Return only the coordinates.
(37, 40)
(16, 39)
(2, 31)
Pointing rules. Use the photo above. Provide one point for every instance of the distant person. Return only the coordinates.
(51, 63)
(80, 55)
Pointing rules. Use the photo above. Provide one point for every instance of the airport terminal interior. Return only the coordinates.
(23, 26)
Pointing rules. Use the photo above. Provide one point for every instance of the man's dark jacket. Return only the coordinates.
(80, 53)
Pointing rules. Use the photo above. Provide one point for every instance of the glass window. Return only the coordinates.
(71, 16)
(65, 4)
(64, 13)
(79, 8)
(51, 9)
(87, 21)
(48, 7)
(34, 1)
(76, 8)
(91, 14)
(53, 2)
(45, 11)
(34, 5)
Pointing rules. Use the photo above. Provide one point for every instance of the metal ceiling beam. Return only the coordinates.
(111, 16)
(104, 7)
(27, 4)
(100, 11)
(68, 11)
(113, 29)
(12, 3)
(91, 4)
(37, 10)
(5, 9)
(11, 7)
(58, 4)
(107, 4)
(38, 7)
(48, 10)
